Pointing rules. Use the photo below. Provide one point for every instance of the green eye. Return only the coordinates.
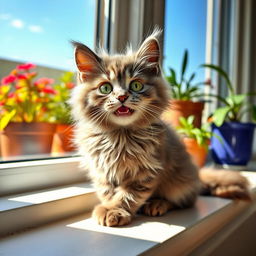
(106, 88)
(136, 86)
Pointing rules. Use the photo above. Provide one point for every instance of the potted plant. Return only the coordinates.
(235, 146)
(195, 139)
(186, 96)
(27, 116)
(62, 141)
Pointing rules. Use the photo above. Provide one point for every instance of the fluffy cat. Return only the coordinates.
(134, 159)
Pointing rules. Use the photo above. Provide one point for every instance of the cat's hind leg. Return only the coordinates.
(224, 183)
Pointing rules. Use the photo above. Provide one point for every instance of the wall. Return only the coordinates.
(7, 65)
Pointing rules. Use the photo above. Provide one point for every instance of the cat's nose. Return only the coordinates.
(122, 98)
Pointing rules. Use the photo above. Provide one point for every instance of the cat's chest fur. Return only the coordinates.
(123, 152)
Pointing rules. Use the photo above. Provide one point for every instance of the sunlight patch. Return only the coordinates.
(37, 198)
(145, 230)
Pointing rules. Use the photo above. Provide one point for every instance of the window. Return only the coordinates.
(39, 34)
(185, 28)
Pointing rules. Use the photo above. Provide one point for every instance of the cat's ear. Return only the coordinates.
(150, 51)
(86, 60)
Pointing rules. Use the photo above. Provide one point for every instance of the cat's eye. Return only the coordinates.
(136, 86)
(106, 88)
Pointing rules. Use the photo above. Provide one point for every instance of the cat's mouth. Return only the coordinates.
(123, 111)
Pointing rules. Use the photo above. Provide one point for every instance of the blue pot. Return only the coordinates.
(232, 144)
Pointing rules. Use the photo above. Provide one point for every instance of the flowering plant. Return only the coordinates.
(62, 108)
(234, 106)
(23, 99)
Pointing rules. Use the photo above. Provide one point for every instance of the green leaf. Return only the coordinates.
(191, 78)
(6, 119)
(254, 113)
(67, 77)
(237, 99)
(222, 73)
(184, 64)
(190, 120)
(183, 121)
(172, 77)
(220, 114)
(221, 99)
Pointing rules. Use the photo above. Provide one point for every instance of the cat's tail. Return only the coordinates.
(224, 183)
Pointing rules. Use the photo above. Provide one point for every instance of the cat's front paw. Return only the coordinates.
(111, 217)
(156, 207)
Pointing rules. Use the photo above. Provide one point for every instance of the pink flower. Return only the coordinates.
(26, 66)
(22, 76)
(11, 95)
(44, 81)
(8, 79)
(49, 90)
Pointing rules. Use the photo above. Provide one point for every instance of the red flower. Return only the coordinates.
(26, 66)
(17, 86)
(70, 85)
(8, 79)
(208, 82)
(22, 76)
(44, 81)
(49, 90)
(11, 95)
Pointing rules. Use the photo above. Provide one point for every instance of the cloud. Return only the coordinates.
(5, 16)
(19, 24)
(35, 29)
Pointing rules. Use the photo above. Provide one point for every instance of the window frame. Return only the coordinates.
(24, 176)
(45, 173)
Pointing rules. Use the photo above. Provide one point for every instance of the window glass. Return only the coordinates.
(37, 73)
(185, 28)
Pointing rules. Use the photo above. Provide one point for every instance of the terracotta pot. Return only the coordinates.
(197, 152)
(178, 108)
(26, 139)
(62, 140)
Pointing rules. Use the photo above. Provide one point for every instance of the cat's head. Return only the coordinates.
(126, 90)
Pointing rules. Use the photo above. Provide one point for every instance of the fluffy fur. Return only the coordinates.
(136, 161)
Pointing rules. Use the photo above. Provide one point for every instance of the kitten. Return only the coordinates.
(134, 159)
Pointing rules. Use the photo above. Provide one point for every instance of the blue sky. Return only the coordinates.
(185, 28)
(40, 32)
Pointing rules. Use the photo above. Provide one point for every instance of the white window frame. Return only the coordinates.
(17, 177)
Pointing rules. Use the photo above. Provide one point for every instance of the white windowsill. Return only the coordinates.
(19, 177)
(179, 231)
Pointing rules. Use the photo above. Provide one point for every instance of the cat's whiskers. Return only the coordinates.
(150, 111)
(149, 123)
(98, 115)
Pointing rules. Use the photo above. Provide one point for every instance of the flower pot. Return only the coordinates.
(196, 151)
(232, 144)
(185, 108)
(26, 139)
(62, 140)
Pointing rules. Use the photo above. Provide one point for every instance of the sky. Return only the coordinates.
(185, 28)
(40, 33)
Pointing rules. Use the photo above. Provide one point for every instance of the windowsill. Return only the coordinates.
(19, 177)
(180, 231)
